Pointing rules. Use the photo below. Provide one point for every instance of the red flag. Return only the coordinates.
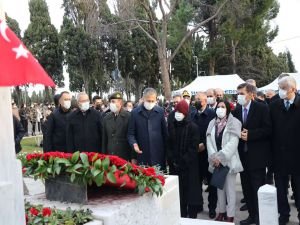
(17, 64)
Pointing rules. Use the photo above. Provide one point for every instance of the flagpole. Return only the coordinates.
(12, 210)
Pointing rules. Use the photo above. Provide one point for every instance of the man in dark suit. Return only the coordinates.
(254, 146)
(202, 116)
(285, 116)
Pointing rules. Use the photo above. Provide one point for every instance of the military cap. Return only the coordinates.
(185, 93)
(116, 95)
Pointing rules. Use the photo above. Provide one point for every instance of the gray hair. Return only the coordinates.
(251, 81)
(80, 94)
(283, 75)
(177, 95)
(149, 91)
(289, 81)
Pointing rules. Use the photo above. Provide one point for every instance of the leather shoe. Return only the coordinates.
(243, 200)
(212, 214)
(283, 221)
(247, 221)
(244, 208)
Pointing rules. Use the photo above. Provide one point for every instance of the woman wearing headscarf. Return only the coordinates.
(182, 159)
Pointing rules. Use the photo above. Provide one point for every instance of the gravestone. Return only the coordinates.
(267, 204)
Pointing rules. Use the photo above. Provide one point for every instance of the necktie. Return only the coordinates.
(245, 115)
(287, 105)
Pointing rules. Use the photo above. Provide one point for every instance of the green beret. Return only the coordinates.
(116, 95)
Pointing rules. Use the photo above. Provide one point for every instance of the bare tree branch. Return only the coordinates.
(131, 20)
(147, 33)
(189, 34)
(152, 25)
(167, 4)
(162, 10)
(173, 8)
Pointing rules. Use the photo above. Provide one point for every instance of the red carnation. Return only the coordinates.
(34, 211)
(46, 212)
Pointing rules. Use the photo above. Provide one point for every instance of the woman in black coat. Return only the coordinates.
(183, 161)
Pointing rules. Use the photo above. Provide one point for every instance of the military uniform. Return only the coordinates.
(114, 134)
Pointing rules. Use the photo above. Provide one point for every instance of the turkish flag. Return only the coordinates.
(17, 64)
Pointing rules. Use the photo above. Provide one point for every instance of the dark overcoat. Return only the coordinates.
(114, 135)
(84, 131)
(285, 137)
(182, 157)
(148, 129)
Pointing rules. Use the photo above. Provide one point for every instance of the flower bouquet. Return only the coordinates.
(90, 168)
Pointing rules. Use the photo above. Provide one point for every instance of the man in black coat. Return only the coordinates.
(254, 146)
(19, 133)
(84, 129)
(54, 135)
(115, 127)
(285, 116)
(201, 117)
(147, 131)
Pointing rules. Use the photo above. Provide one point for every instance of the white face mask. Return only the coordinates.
(149, 105)
(188, 101)
(282, 93)
(211, 100)
(179, 116)
(242, 100)
(129, 109)
(113, 107)
(221, 112)
(84, 106)
(67, 104)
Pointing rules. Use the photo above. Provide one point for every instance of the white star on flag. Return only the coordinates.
(21, 52)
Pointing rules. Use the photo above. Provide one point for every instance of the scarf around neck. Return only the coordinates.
(220, 124)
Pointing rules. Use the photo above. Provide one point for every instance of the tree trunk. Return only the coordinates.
(19, 96)
(47, 95)
(233, 56)
(212, 64)
(165, 76)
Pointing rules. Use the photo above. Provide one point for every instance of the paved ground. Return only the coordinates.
(243, 215)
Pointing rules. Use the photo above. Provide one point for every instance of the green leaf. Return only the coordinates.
(105, 163)
(111, 177)
(85, 160)
(95, 172)
(99, 179)
(63, 161)
(113, 169)
(75, 157)
(98, 164)
(73, 176)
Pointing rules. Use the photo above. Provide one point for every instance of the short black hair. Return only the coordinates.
(126, 103)
(249, 87)
(227, 104)
(62, 93)
(96, 98)
(56, 100)
(260, 94)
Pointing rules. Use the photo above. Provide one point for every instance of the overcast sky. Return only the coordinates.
(287, 20)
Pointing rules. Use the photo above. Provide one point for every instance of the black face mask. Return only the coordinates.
(219, 99)
(268, 100)
(98, 107)
(198, 105)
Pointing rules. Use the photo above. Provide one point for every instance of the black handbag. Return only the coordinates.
(219, 176)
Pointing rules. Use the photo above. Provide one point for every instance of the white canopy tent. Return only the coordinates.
(228, 83)
(274, 84)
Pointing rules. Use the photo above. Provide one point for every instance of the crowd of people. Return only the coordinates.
(253, 134)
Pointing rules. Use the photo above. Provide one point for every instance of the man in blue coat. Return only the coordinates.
(147, 131)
